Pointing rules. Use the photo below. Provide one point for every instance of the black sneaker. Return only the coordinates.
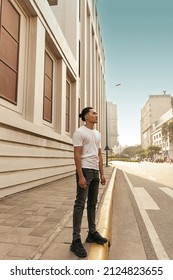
(96, 237)
(78, 249)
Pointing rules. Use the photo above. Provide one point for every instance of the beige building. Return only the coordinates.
(112, 125)
(51, 66)
(154, 108)
(157, 138)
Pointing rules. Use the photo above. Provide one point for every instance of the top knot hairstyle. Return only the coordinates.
(84, 112)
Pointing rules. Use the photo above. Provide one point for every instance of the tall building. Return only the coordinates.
(112, 125)
(52, 65)
(154, 108)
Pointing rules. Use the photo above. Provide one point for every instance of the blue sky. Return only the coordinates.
(138, 42)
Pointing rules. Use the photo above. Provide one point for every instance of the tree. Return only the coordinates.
(132, 151)
(153, 150)
(165, 132)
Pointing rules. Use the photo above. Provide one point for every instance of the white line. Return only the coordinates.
(145, 200)
(158, 247)
(167, 191)
(152, 178)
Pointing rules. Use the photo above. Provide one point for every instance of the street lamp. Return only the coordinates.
(107, 147)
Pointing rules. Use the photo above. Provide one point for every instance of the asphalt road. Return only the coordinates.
(150, 192)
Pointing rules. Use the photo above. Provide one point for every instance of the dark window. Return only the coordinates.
(9, 50)
(67, 106)
(53, 2)
(48, 86)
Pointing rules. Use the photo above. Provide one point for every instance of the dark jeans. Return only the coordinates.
(91, 192)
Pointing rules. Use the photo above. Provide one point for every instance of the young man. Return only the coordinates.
(89, 162)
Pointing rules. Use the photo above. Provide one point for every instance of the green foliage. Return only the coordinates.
(132, 151)
(165, 131)
(119, 156)
(154, 149)
(135, 153)
(122, 159)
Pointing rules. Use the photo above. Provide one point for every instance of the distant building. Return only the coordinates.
(158, 139)
(154, 108)
(52, 64)
(112, 125)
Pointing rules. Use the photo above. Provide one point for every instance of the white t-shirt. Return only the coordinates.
(90, 140)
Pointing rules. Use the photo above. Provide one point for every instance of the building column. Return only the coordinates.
(34, 99)
(61, 97)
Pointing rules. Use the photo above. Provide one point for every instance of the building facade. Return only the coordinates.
(158, 139)
(112, 125)
(154, 108)
(51, 66)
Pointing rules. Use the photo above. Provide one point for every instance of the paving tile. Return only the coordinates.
(64, 236)
(44, 211)
(23, 239)
(23, 251)
(60, 212)
(53, 205)
(29, 224)
(5, 215)
(14, 210)
(36, 218)
(33, 240)
(50, 219)
(58, 252)
(5, 248)
(21, 231)
(11, 238)
(5, 229)
(4, 207)
(11, 222)
(22, 216)
(42, 231)
(29, 211)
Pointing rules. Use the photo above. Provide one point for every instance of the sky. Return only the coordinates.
(138, 43)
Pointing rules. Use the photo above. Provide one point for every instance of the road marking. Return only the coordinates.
(145, 200)
(167, 191)
(152, 178)
(157, 244)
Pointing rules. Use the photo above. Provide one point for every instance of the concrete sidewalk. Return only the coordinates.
(37, 223)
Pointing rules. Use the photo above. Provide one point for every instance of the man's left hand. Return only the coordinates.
(103, 180)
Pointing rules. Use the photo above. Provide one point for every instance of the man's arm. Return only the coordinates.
(77, 159)
(102, 176)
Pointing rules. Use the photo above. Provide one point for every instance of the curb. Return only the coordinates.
(100, 252)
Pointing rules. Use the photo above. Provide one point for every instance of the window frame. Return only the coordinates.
(18, 107)
(45, 97)
(45, 122)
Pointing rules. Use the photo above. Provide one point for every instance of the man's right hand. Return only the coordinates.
(82, 182)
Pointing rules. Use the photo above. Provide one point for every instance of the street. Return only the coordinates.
(150, 189)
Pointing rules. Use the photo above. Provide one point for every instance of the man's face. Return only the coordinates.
(91, 116)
